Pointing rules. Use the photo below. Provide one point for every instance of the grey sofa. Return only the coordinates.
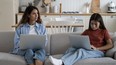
(57, 45)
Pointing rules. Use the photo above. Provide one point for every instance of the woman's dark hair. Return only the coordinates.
(97, 18)
(25, 17)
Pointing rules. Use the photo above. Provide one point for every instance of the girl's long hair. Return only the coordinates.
(98, 18)
(25, 17)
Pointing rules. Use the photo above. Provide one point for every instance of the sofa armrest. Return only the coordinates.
(112, 51)
(115, 55)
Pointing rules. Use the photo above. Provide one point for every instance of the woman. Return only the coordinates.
(30, 23)
(100, 42)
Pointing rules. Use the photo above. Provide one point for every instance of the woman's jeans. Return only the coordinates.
(72, 55)
(32, 54)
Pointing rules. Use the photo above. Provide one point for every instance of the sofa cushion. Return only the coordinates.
(115, 56)
(10, 59)
(113, 36)
(6, 41)
(114, 39)
(47, 48)
(97, 61)
(110, 52)
(60, 42)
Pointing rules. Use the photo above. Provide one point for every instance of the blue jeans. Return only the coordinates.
(32, 54)
(72, 55)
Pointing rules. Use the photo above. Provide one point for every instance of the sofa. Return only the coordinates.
(57, 45)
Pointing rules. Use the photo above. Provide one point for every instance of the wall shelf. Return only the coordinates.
(77, 14)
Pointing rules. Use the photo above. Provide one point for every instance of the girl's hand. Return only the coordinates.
(94, 48)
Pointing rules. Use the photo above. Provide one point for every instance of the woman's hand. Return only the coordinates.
(93, 47)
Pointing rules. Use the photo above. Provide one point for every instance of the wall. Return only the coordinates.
(8, 9)
(79, 5)
(73, 5)
(7, 14)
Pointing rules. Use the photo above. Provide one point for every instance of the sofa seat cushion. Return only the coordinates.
(10, 59)
(97, 61)
(90, 61)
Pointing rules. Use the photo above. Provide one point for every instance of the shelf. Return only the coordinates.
(77, 14)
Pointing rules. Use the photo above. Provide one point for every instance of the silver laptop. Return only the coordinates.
(79, 41)
(32, 41)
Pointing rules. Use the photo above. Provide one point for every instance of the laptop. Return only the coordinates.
(32, 41)
(80, 41)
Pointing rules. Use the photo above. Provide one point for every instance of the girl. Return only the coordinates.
(100, 42)
(30, 24)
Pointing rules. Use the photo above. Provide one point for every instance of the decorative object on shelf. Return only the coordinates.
(47, 9)
(70, 12)
(48, 5)
(45, 3)
(22, 8)
(60, 7)
(30, 4)
(87, 7)
(56, 9)
(36, 2)
(111, 7)
(95, 6)
(53, 0)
